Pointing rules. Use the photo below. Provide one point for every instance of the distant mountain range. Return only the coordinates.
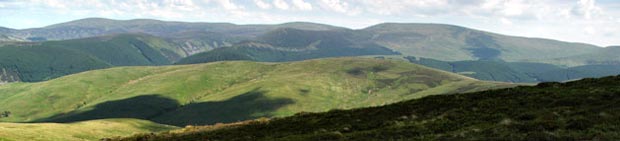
(92, 27)
(157, 42)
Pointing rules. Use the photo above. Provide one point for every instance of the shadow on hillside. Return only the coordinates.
(249, 105)
(140, 107)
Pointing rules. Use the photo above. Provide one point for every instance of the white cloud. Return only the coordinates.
(392, 7)
(340, 7)
(186, 5)
(302, 5)
(262, 5)
(228, 5)
(52, 3)
(281, 4)
(514, 8)
(590, 30)
(587, 9)
(336, 5)
(506, 21)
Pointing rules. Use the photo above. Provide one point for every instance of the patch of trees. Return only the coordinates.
(5, 114)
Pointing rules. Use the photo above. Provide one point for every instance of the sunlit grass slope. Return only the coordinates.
(86, 130)
(228, 91)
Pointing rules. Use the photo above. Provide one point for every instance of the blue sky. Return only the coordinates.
(588, 21)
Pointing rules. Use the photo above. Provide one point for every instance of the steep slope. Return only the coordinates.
(288, 44)
(119, 50)
(581, 110)
(6, 38)
(228, 91)
(4, 30)
(193, 42)
(36, 63)
(79, 131)
(518, 71)
(4, 34)
(454, 43)
(31, 62)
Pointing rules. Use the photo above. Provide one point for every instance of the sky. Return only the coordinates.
(588, 21)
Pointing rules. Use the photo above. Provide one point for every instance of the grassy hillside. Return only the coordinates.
(454, 43)
(79, 131)
(288, 44)
(227, 91)
(605, 56)
(518, 71)
(581, 110)
(436, 41)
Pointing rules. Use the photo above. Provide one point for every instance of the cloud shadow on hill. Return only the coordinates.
(250, 105)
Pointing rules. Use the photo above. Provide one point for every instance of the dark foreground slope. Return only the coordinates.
(587, 109)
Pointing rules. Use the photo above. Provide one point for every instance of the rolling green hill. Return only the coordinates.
(580, 110)
(288, 44)
(454, 43)
(5, 35)
(605, 56)
(154, 42)
(436, 41)
(227, 91)
(518, 71)
(93, 27)
(4, 30)
(79, 131)
(6, 38)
